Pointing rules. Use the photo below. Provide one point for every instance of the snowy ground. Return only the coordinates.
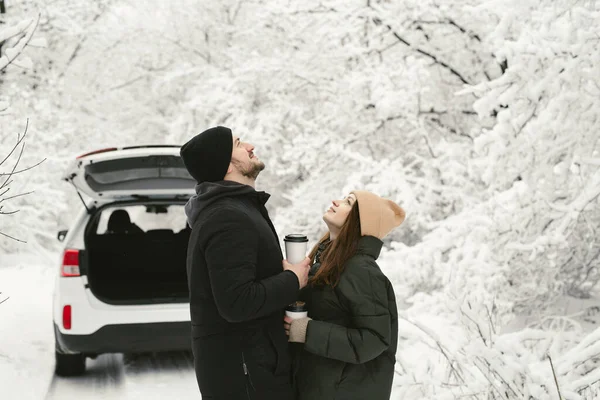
(147, 376)
(26, 337)
(27, 349)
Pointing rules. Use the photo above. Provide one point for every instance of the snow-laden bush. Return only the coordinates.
(545, 142)
(441, 360)
(530, 236)
(513, 206)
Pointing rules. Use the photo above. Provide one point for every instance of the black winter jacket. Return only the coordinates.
(351, 342)
(238, 292)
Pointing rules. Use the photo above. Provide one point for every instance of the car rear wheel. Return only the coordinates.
(70, 364)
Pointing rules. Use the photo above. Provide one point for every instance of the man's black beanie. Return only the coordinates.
(208, 154)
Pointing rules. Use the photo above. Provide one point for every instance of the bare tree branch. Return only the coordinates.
(9, 212)
(5, 185)
(188, 49)
(435, 59)
(471, 34)
(12, 237)
(15, 196)
(554, 375)
(439, 123)
(24, 169)
(10, 174)
(19, 140)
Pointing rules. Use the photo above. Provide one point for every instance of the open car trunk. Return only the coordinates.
(131, 173)
(136, 253)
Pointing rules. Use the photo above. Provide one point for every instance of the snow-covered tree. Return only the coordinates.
(13, 41)
(479, 117)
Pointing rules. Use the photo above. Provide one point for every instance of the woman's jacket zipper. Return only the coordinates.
(247, 373)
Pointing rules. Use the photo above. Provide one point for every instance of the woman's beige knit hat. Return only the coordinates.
(378, 216)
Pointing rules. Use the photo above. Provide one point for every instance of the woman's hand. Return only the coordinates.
(295, 328)
(287, 324)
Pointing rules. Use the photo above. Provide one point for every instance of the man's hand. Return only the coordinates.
(301, 270)
(287, 323)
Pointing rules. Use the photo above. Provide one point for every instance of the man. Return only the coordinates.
(239, 283)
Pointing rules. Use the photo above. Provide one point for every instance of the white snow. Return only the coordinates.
(26, 332)
(114, 376)
(27, 349)
(497, 264)
(427, 341)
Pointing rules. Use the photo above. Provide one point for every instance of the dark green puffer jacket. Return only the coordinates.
(351, 342)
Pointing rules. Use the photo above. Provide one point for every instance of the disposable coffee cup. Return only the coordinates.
(295, 247)
(296, 310)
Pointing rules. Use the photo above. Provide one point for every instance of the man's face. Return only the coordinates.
(244, 160)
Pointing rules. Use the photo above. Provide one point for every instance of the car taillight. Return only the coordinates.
(70, 265)
(67, 317)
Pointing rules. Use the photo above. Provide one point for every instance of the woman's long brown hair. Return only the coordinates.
(338, 252)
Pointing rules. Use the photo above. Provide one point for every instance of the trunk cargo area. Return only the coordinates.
(138, 267)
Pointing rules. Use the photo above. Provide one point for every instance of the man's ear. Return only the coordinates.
(230, 169)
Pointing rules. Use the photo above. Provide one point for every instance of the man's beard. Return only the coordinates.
(252, 171)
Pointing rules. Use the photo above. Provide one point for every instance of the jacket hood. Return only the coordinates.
(210, 192)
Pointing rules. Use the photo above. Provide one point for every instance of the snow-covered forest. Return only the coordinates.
(480, 117)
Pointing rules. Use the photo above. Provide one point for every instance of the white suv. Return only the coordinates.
(122, 285)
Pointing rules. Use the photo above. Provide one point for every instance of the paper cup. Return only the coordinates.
(295, 247)
(296, 310)
(296, 315)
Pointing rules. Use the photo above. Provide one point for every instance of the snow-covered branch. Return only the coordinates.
(19, 36)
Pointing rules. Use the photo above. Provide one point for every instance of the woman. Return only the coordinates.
(348, 342)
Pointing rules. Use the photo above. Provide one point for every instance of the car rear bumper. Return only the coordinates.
(128, 338)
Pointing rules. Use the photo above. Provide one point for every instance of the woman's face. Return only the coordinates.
(336, 215)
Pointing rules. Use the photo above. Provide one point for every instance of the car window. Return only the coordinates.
(149, 172)
(145, 217)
